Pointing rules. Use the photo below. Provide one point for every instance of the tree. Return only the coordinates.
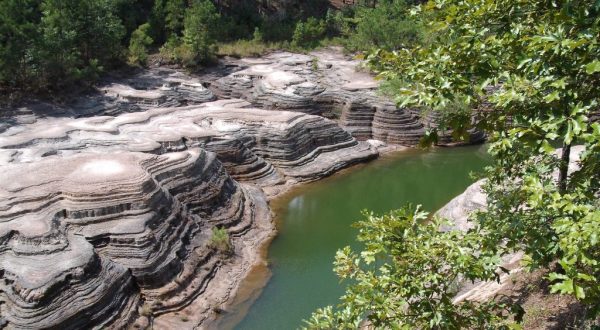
(534, 66)
(79, 36)
(530, 68)
(199, 32)
(175, 11)
(18, 37)
(307, 34)
(407, 275)
(386, 25)
(138, 44)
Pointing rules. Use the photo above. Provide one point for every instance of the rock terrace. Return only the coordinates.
(112, 216)
(108, 202)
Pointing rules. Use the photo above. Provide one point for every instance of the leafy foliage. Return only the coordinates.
(138, 44)
(197, 45)
(387, 26)
(220, 241)
(199, 34)
(18, 36)
(49, 44)
(307, 34)
(68, 50)
(406, 277)
(531, 69)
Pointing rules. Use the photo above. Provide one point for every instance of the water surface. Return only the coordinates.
(315, 220)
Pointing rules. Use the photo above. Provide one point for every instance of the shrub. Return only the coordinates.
(220, 241)
(308, 34)
(257, 35)
(169, 51)
(138, 44)
(145, 310)
(198, 35)
(406, 277)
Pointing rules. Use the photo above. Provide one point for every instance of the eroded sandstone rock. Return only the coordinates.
(257, 146)
(107, 220)
(158, 87)
(87, 238)
(329, 84)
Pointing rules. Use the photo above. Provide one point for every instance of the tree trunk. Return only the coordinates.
(564, 168)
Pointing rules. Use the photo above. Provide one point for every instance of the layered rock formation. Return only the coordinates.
(107, 220)
(148, 89)
(108, 202)
(87, 237)
(324, 83)
(257, 146)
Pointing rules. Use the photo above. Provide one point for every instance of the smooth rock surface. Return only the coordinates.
(147, 89)
(257, 146)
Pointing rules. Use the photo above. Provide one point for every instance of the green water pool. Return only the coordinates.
(315, 220)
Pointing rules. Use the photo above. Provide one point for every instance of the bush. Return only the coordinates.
(220, 241)
(170, 51)
(387, 26)
(138, 45)
(257, 35)
(198, 35)
(406, 277)
(308, 34)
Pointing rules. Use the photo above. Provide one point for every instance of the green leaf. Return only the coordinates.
(554, 96)
(579, 292)
(563, 287)
(592, 67)
(546, 147)
(569, 134)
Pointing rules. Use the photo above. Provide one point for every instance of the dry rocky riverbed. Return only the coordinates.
(107, 202)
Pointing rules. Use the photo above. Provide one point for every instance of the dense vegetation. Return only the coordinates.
(53, 43)
(50, 44)
(532, 69)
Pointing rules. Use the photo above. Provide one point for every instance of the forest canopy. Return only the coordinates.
(50, 44)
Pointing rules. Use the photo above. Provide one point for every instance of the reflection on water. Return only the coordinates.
(315, 220)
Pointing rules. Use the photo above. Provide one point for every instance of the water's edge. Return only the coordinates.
(253, 286)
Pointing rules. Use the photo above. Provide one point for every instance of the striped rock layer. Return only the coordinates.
(106, 221)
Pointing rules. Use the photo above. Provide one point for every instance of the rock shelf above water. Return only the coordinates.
(108, 202)
(257, 146)
(104, 217)
(88, 238)
(325, 83)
